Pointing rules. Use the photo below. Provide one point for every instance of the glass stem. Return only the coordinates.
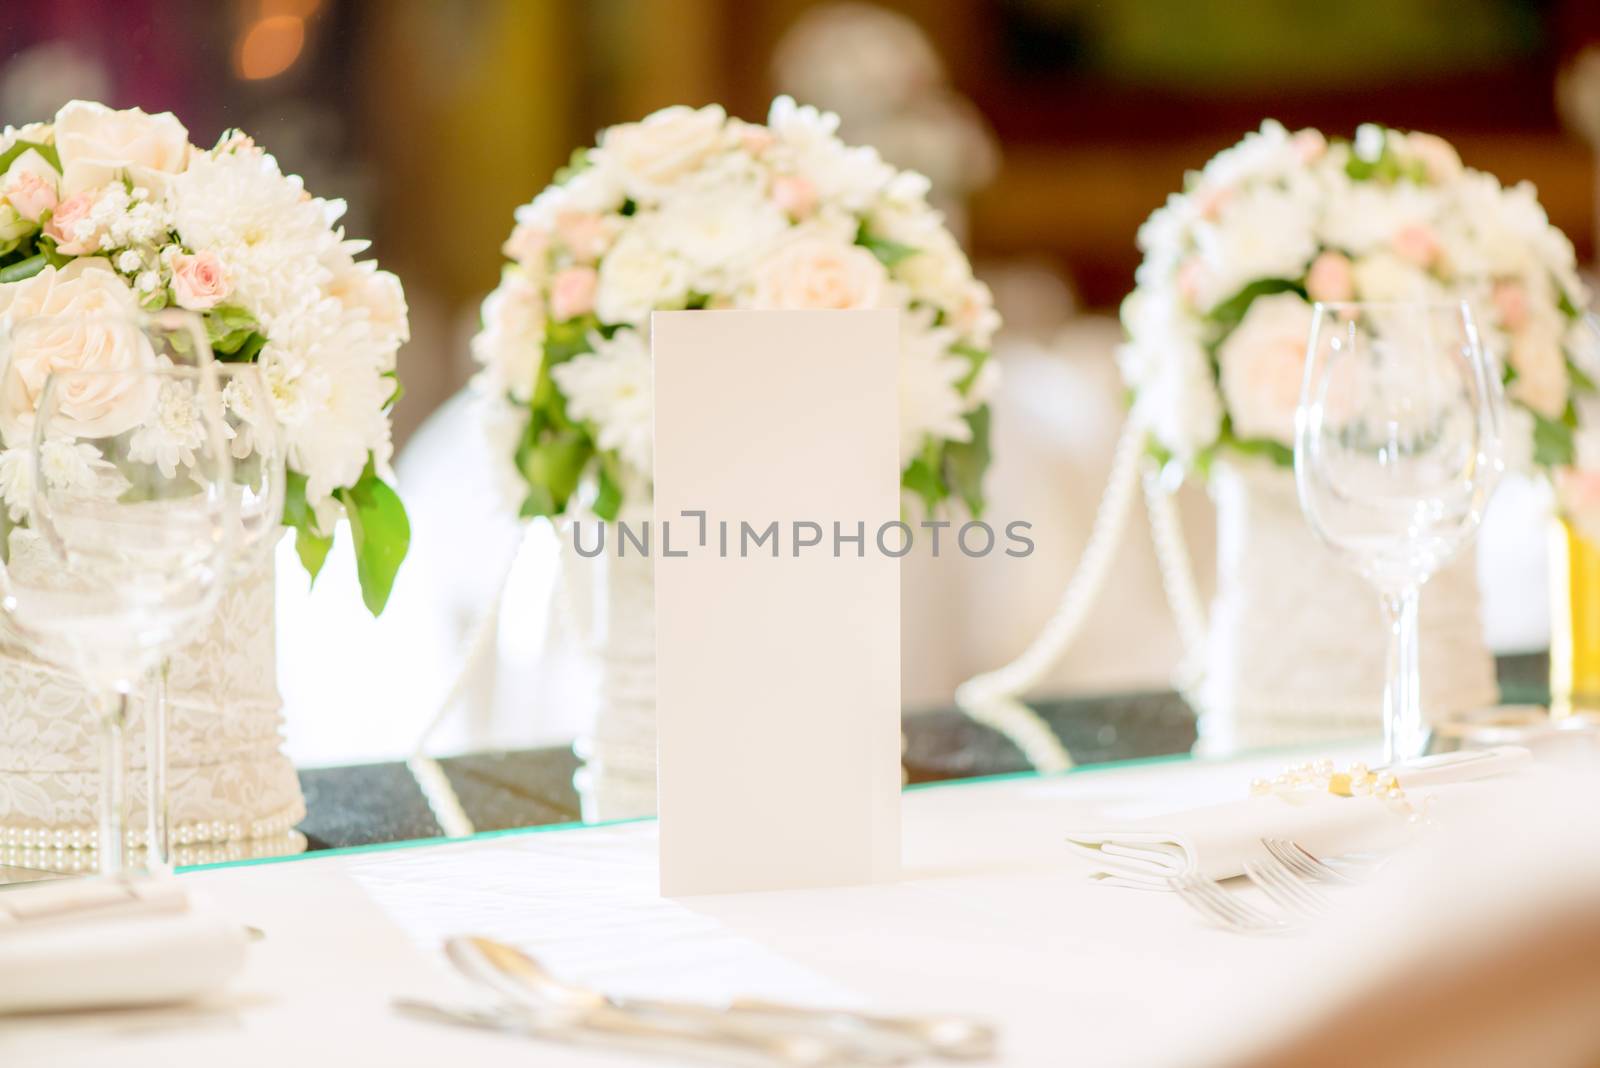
(1404, 736)
(158, 833)
(113, 782)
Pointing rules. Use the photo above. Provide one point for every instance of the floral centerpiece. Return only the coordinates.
(693, 209)
(1218, 322)
(1217, 329)
(104, 213)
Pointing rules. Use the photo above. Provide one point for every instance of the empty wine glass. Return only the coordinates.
(256, 447)
(132, 521)
(1397, 449)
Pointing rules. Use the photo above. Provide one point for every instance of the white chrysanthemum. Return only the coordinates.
(173, 436)
(16, 482)
(511, 344)
(717, 231)
(77, 468)
(323, 369)
(271, 238)
(931, 403)
(1260, 233)
(639, 275)
(808, 146)
(365, 290)
(1365, 217)
(612, 388)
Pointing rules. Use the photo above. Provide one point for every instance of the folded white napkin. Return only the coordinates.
(91, 943)
(1215, 841)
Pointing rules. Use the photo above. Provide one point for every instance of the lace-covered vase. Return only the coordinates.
(1297, 645)
(613, 600)
(232, 792)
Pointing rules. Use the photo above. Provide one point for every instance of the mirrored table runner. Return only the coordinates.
(376, 803)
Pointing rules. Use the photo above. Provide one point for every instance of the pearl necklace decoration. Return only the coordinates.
(1359, 781)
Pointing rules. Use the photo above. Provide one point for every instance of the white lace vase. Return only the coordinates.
(613, 600)
(1296, 649)
(231, 790)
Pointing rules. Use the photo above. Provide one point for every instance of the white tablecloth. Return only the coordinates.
(992, 917)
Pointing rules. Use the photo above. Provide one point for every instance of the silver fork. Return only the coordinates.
(1287, 888)
(1210, 900)
(1303, 862)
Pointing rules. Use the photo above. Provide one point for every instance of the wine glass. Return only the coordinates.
(1397, 449)
(131, 523)
(255, 444)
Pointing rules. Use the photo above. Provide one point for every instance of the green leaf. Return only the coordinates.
(1552, 442)
(978, 358)
(922, 477)
(312, 550)
(555, 462)
(966, 461)
(381, 533)
(1276, 451)
(24, 268)
(608, 492)
(1580, 381)
(888, 252)
(564, 340)
(1564, 302)
(399, 389)
(10, 155)
(1232, 311)
(309, 543)
(228, 328)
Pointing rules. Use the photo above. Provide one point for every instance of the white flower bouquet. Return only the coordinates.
(1218, 322)
(694, 209)
(104, 212)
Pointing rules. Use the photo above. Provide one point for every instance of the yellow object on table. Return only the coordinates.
(1575, 620)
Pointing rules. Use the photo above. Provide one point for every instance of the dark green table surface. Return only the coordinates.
(372, 803)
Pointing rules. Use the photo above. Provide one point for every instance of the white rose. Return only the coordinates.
(815, 272)
(95, 143)
(639, 275)
(1263, 362)
(937, 272)
(1383, 276)
(1541, 367)
(91, 329)
(649, 156)
(378, 295)
(511, 344)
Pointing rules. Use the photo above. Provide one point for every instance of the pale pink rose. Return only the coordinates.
(31, 194)
(572, 292)
(1416, 244)
(63, 225)
(1511, 301)
(1308, 145)
(1578, 492)
(199, 282)
(817, 272)
(83, 321)
(1330, 278)
(586, 234)
(755, 139)
(795, 196)
(1191, 279)
(1541, 367)
(1437, 156)
(527, 245)
(1213, 199)
(1262, 363)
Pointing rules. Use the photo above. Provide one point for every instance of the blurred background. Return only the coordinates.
(1051, 128)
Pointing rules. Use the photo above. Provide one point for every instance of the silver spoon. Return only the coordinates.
(521, 979)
